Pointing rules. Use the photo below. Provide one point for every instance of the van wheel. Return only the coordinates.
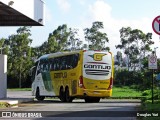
(68, 97)
(38, 97)
(62, 95)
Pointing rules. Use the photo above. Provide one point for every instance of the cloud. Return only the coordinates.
(101, 11)
(82, 2)
(48, 15)
(64, 5)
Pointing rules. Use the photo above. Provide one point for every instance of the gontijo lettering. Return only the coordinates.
(60, 75)
(97, 66)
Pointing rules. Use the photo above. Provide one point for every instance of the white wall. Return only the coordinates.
(39, 12)
(34, 9)
(3, 76)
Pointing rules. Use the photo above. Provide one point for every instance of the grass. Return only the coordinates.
(151, 108)
(4, 105)
(125, 92)
(19, 89)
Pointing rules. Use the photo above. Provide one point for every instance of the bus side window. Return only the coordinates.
(75, 59)
(45, 65)
(41, 67)
(51, 61)
(57, 64)
(63, 63)
(69, 62)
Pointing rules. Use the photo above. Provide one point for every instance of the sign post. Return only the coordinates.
(152, 64)
(152, 61)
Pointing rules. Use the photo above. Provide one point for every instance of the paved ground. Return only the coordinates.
(107, 109)
(19, 94)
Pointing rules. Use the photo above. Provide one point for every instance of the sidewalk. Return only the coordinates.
(17, 97)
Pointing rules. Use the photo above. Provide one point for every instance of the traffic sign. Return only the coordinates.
(152, 62)
(156, 25)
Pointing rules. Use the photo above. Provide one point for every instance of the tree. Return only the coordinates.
(96, 39)
(61, 35)
(119, 58)
(1, 44)
(135, 44)
(19, 56)
(61, 39)
(73, 41)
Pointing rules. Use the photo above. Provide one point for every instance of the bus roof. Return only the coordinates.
(56, 54)
(51, 55)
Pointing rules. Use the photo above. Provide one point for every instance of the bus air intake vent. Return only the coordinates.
(96, 72)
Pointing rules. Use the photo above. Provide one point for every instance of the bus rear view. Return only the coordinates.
(97, 75)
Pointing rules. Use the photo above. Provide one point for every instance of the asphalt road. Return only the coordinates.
(107, 109)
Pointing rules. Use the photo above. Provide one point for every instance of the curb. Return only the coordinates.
(124, 100)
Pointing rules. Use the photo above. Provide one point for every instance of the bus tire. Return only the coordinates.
(92, 99)
(87, 100)
(38, 97)
(62, 95)
(96, 99)
(68, 97)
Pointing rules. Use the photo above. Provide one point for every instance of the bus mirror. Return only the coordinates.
(31, 71)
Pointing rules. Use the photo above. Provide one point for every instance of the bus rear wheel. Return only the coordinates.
(96, 100)
(62, 95)
(68, 97)
(38, 97)
(92, 99)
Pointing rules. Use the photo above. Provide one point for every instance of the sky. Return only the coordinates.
(115, 14)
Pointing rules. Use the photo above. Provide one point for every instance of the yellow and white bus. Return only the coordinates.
(82, 74)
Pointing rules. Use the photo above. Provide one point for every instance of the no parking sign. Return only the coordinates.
(156, 25)
(152, 62)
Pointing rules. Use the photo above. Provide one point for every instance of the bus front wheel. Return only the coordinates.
(38, 97)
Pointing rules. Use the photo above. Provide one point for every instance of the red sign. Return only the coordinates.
(156, 25)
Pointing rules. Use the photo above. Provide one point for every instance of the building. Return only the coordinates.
(18, 13)
(22, 13)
